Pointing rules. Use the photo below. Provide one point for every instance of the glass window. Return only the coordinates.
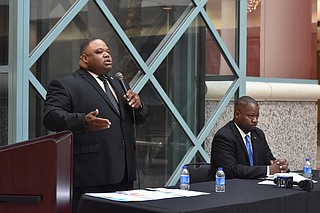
(282, 43)
(44, 15)
(223, 17)
(147, 22)
(162, 142)
(4, 32)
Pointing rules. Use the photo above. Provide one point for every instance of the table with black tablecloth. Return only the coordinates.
(241, 196)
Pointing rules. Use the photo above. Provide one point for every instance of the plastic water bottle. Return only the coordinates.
(307, 169)
(220, 181)
(184, 179)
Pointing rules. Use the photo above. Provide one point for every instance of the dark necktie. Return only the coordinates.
(249, 150)
(113, 100)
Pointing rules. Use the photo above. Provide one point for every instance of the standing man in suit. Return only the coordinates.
(104, 149)
(229, 149)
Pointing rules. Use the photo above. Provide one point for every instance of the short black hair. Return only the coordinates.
(245, 100)
(85, 44)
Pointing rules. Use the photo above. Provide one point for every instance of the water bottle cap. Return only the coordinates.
(219, 168)
(184, 167)
(307, 159)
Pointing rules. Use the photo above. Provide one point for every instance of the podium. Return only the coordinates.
(36, 175)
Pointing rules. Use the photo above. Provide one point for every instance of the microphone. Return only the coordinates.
(119, 76)
(305, 184)
(288, 183)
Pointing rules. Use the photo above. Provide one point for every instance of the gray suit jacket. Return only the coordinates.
(100, 157)
(229, 151)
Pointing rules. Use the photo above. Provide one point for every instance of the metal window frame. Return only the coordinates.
(20, 77)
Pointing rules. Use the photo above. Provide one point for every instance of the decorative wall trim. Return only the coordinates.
(266, 91)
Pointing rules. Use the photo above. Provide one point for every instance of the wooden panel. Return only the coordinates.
(36, 175)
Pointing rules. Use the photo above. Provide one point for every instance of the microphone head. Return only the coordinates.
(119, 76)
(284, 182)
(306, 184)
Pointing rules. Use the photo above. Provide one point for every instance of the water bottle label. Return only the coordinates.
(184, 179)
(220, 181)
(307, 170)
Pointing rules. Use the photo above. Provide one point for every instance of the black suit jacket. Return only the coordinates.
(99, 157)
(229, 151)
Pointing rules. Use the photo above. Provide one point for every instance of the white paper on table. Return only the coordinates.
(146, 194)
(179, 192)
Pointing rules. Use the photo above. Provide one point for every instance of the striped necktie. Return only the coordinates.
(249, 150)
(113, 100)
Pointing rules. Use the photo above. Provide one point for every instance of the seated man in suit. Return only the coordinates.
(231, 151)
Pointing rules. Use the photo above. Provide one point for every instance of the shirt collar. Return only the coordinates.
(93, 74)
(242, 132)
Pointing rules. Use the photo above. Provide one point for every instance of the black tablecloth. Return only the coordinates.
(241, 196)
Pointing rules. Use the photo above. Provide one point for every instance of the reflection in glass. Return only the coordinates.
(282, 43)
(181, 75)
(223, 16)
(4, 32)
(43, 17)
(161, 143)
(63, 55)
(3, 109)
(36, 105)
(253, 42)
(147, 22)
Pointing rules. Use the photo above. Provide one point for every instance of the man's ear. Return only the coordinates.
(236, 113)
(83, 61)
(84, 58)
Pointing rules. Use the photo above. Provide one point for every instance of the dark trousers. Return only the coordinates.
(78, 191)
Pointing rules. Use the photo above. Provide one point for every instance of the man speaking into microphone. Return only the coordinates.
(101, 114)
